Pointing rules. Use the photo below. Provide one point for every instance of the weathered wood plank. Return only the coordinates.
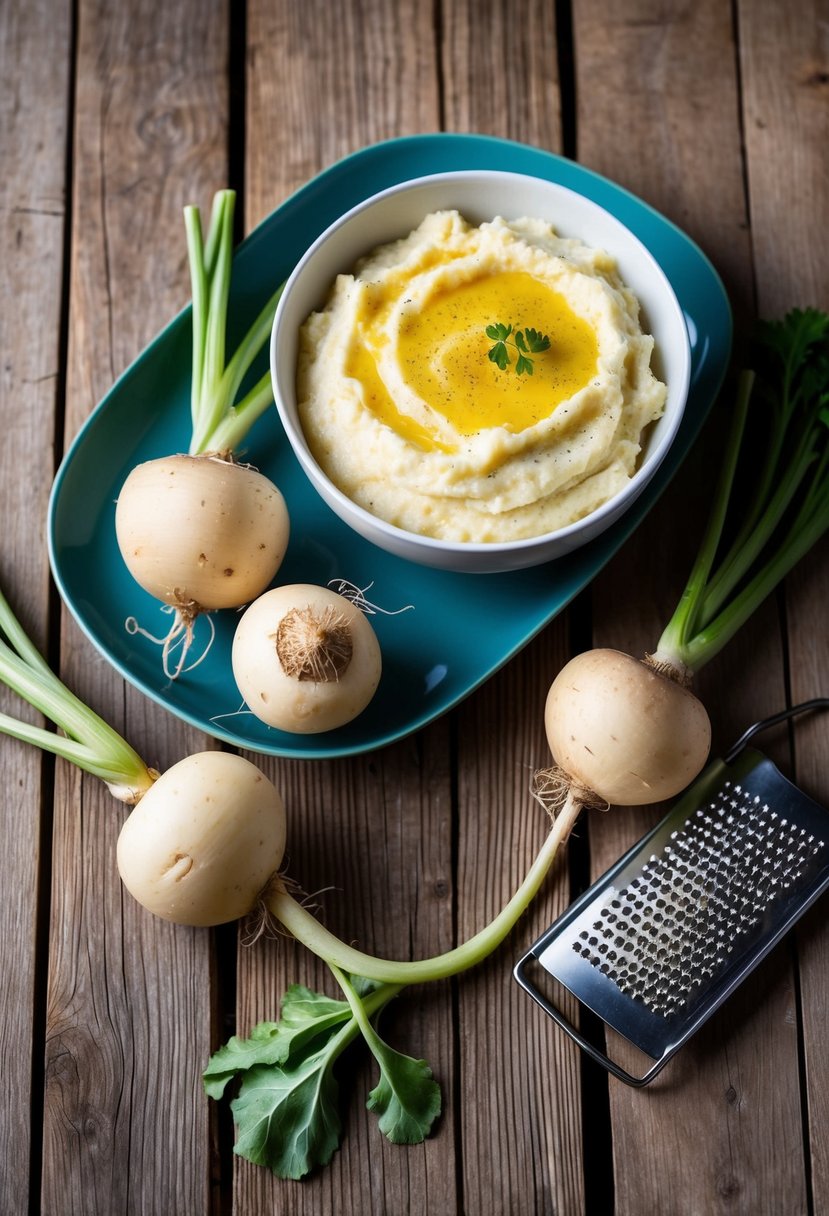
(659, 126)
(34, 75)
(519, 1080)
(784, 56)
(322, 84)
(500, 70)
(128, 1024)
(380, 827)
(658, 110)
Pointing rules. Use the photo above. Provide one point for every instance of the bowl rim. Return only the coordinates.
(402, 536)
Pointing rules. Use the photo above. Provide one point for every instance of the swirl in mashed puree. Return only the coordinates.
(407, 414)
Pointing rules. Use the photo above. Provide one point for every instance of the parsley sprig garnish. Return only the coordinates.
(526, 341)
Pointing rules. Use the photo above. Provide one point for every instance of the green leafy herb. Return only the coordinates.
(525, 341)
(286, 1109)
(239, 1055)
(406, 1098)
(787, 508)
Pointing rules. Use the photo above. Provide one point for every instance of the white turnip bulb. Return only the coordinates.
(201, 533)
(305, 659)
(621, 730)
(204, 841)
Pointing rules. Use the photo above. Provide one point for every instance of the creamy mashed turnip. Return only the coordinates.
(409, 416)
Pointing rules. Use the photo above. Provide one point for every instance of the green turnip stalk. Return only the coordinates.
(87, 741)
(307, 929)
(789, 510)
(219, 422)
(631, 731)
(201, 531)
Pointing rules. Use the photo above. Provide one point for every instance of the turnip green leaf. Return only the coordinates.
(287, 1117)
(406, 1097)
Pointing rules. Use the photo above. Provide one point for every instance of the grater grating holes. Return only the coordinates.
(669, 933)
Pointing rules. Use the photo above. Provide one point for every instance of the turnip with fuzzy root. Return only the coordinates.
(629, 732)
(201, 531)
(305, 659)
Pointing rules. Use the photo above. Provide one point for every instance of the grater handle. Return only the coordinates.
(783, 716)
(520, 973)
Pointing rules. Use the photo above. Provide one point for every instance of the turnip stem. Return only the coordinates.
(796, 544)
(363, 1008)
(789, 508)
(682, 623)
(366, 1007)
(238, 419)
(248, 349)
(307, 929)
(214, 231)
(126, 787)
(358, 1009)
(361, 1017)
(218, 422)
(747, 549)
(89, 743)
(198, 287)
(214, 354)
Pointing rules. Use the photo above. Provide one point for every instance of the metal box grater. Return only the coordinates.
(657, 943)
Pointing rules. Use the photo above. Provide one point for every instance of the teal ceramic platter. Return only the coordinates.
(457, 628)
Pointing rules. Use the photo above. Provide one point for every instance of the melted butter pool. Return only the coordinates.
(442, 356)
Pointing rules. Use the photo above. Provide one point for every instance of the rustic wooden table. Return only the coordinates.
(112, 117)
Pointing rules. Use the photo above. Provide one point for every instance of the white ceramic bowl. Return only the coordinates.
(480, 195)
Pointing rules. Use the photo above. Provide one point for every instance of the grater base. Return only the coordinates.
(658, 943)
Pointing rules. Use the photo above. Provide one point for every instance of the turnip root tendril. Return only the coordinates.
(179, 636)
(357, 595)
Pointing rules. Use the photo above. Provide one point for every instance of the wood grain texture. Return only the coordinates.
(318, 87)
(717, 114)
(784, 55)
(34, 76)
(500, 70)
(128, 1022)
(520, 1078)
(322, 82)
(520, 1089)
(658, 110)
(669, 75)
